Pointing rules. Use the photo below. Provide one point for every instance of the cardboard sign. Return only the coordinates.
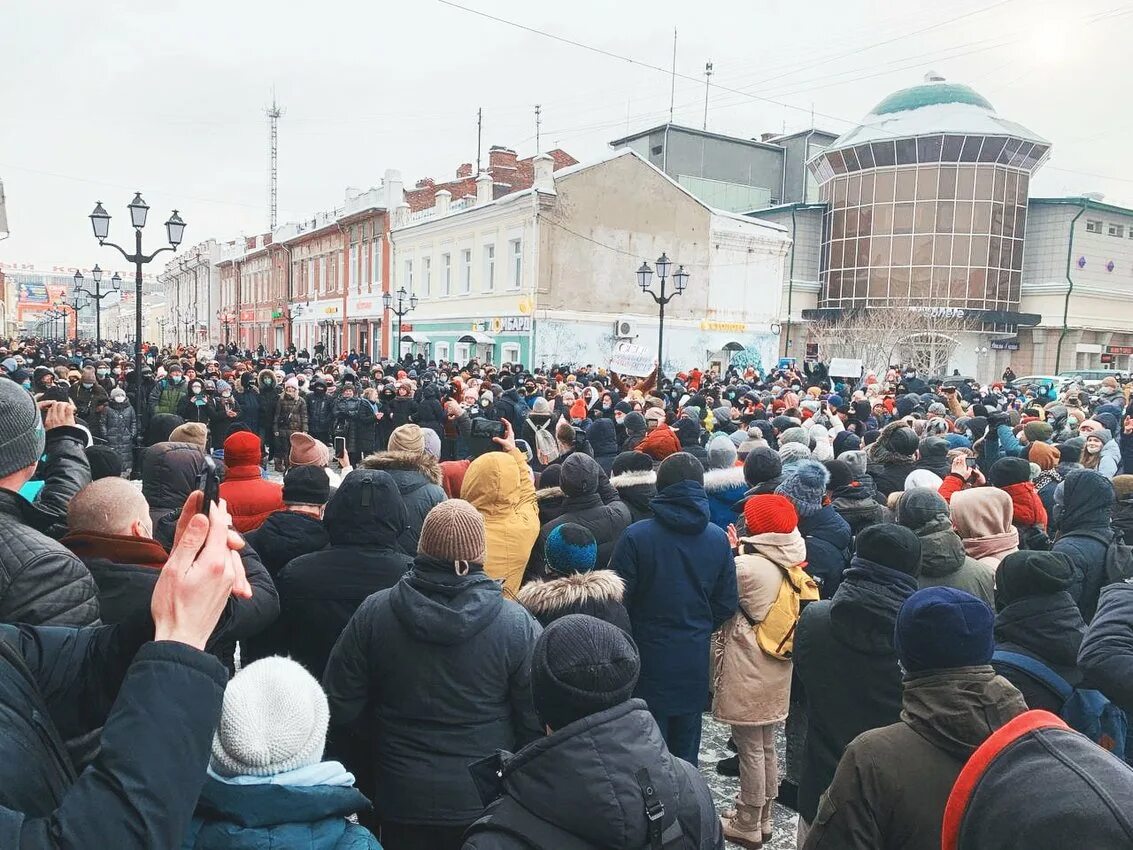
(845, 367)
(630, 359)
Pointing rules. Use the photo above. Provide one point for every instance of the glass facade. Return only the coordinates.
(936, 220)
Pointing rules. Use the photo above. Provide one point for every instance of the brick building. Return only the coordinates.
(508, 172)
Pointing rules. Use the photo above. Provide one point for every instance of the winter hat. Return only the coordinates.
(805, 485)
(904, 441)
(1038, 432)
(453, 531)
(1009, 470)
(1044, 455)
(1030, 573)
(581, 475)
(274, 720)
(918, 507)
(846, 441)
(307, 451)
(857, 460)
(770, 513)
(721, 452)
(655, 414)
(570, 548)
(634, 422)
(21, 429)
(738, 438)
(306, 485)
(1071, 450)
(934, 448)
(677, 467)
(796, 434)
(196, 433)
(835, 401)
(631, 462)
(841, 475)
(792, 453)
(118, 395)
(892, 546)
(688, 432)
(923, 479)
(1122, 487)
(581, 666)
(407, 438)
(242, 448)
(762, 464)
(104, 462)
(432, 442)
(941, 628)
(541, 407)
(221, 386)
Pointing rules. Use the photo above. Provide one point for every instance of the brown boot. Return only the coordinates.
(765, 824)
(744, 829)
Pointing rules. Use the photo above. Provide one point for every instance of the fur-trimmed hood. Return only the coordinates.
(549, 493)
(634, 479)
(719, 480)
(543, 597)
(423, 463)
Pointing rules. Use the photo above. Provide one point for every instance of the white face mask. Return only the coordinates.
(1093, 447)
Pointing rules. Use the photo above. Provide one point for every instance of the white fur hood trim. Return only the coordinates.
(633, 479)
(717, 480)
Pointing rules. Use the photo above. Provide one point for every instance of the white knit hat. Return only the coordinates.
(274, 719)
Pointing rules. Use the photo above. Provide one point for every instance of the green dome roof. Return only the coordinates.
(931, 94)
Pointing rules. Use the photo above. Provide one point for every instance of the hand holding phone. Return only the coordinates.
(340, 448)
(209, 484)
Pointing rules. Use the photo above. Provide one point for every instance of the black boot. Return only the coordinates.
(729, 766)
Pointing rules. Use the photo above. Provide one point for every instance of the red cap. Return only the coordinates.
(242, 449)
(770, 513)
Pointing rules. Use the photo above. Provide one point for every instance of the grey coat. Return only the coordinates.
(418, 480)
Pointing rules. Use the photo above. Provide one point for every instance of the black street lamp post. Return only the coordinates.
(227, 320)
(175, 232)
(400, 310)
(680, 281)
(97, 296)
(188, 318)
(162, 323)
(76, 304)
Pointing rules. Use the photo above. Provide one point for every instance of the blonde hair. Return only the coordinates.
(109, 506)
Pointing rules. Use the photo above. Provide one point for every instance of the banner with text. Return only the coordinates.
(630, 359)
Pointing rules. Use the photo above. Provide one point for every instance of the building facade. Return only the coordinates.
(191, 284)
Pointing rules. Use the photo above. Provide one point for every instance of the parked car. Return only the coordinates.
(1090, 378)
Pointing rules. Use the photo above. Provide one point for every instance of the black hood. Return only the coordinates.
(285, 532)
(435, 605)
(942, 550)
(580, 475)
(161, 426)
(170, 472)
(603, 437)
(863, 611)
(366, 510)
(1049, 626)
(1087, 501)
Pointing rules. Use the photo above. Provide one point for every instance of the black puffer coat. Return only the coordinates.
(41, 582)
(433, 674)
(284, 536)
(320, 410)
(636, 490)
(170, 472)
(1048, 628)
(828, 541)
(320, 591)
(688, 432)
(1106, 655)
(603, 442)
(1086, 507)
(602, 805)
(430, 414)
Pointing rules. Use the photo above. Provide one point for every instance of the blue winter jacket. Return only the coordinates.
(828, 539)
(680, 587)
(725, 488)
(278, 817)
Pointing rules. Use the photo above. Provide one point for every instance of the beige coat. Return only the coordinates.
(752, 687)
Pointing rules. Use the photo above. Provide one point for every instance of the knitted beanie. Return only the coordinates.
(1037, 432)
(274, 719)
(453, 531)
(307, 451)
(918, 507)
(1122, 487)
(1044, 455)
(104, 461)
(407, 438)
(570, 548)
(804, 484)
(857, 460)
(196, 433)
(22, 435)
(1030, 573)
(242, 448)
(792, 453)
(581, 475)
(768, 513)
(631, 462)
(1009, 470)
(795, 435)
(432, 442)
(680, 466)
(840, 474)
(941, 628)
(1071, 450)
(306, 485)
(581, 666)
(904, 441)
(890, 545)
(721, 452)
(846, 441)
(923, 479)
(762, 464)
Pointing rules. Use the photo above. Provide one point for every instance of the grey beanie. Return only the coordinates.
(721, 452)
(21, 429)
(797, 434)
(274, 719)
(805, 485)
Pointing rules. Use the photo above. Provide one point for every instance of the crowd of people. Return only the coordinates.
(490, 607)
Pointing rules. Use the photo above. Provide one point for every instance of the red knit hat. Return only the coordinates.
(242, 449)
(770, 513)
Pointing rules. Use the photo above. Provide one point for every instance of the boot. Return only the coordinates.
(744, 829)
(765, 824)
(729, 766)
(278, 464)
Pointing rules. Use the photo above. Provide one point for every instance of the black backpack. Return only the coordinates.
(1118, 554)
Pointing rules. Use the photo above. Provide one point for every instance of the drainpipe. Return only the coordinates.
(790, 289)
(1069, 286)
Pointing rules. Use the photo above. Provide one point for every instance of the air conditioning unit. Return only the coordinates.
(625, 329)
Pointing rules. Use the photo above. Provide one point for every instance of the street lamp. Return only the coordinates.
(97, 296)
(162, 323)
(188, 318)
(175, 232)
(645, 280)
(227, 320)
(76, 304)
(400, 310)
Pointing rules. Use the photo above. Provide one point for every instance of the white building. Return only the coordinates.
(549, 274)
(191, 288)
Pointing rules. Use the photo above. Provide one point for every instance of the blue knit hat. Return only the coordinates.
(570, 548)
(940, 628)
(804, 483)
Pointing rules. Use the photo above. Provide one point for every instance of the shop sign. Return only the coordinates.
(329, 310)
(277, 313)
(1107, 358)
(1124, 350)
(1005, 345)
(503, 325)
(728, 327)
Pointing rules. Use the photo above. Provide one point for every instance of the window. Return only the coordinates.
(490, 267)
(352, 270)
(466, 270)
(376, 259)
(516, 263)
(463, 350)
(655, 150)
(1093, 226)
(1116, 230)
(441, 351)
(427, 275)
(510, 353)
(446, 274)
(323, 274)
(409, 275)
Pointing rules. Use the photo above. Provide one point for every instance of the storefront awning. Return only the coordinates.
(414, 337)
(477, 338)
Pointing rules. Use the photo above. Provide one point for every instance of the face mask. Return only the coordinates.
(27, 385)
(176, 379)
(1093, 448)
(87, 385)
(195, 389)
(102, 373)
(605, 407)
(619, 419)
(226, 394)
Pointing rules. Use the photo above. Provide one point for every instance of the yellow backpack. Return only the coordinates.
(776, 634)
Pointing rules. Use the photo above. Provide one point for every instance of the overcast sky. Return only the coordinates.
(100, 98)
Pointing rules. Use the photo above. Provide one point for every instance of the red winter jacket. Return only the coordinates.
(250, 498)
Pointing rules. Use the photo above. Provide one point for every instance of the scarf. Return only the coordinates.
(993, 546)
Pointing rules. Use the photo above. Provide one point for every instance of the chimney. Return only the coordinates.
(425, 183)
(465, 170)
(483, 188)
(441, 202)
(544, 165)
(501, 157)
(395, 189)
(763, 137)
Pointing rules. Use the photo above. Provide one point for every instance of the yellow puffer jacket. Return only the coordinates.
(499, 485)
